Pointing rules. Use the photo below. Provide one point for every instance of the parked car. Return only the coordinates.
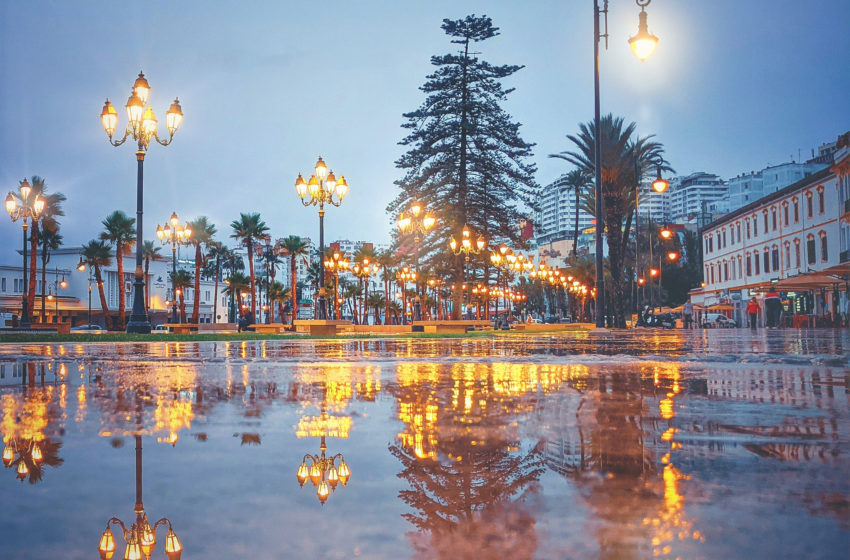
(718, 321)
(159, 329)
(88, 329)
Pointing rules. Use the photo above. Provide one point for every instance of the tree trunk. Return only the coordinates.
(99, 279)
(294, 287)
(215, 290)
(575, 229)
(386, 297)
(250, 245)
(196, 302)
(147, 285)
(119, 256)
(44, 259)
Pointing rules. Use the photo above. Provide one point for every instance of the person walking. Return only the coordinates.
(772, 307)
(688, 313)
(753, 310)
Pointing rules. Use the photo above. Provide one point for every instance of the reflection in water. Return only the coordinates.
(140, 538)
(323, 472)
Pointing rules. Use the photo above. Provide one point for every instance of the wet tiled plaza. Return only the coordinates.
(638, 445)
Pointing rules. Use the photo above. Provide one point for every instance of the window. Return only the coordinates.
(824, 254)
(756, 261)
(787, 254)
(821, 202)
(810, 249)
(724, 238)
(775, 256)
(765, 220)
(809, 210)
(749, 265)
(766, 263)
(712, 274)
(706, 273)
(755, 227)
(725, 271)
(3, 285)
(710, 244)
(797, 252)
(740, 267)
(796, 211)
(748, 229)
(738, 227)
(786, 213)
(773, 218)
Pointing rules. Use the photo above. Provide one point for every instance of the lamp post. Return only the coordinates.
(323, 187)
(54, 287)
(175, 234)
(22, 207)
(405, 275)
(335, 262)
(142, 128)
(642, 45)
(82, 268)
(323, 472)
(141, 536)
(466, 247)
(418, 223)
(363, 270)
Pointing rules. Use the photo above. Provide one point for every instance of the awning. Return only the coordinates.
(810, 281)
(721, 307)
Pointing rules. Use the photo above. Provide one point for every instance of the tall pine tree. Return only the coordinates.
(466, 161)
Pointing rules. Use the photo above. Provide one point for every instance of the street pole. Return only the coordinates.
(174, 281)
(90, 279)
(139, 321)
(597, 156)
(320, 302)
(25, 316)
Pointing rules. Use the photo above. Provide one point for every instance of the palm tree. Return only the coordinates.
(52, 209)
(376, 302)
(50, 240)
(181, 280)
(386, 260)
(236, 284)
(249, 229)
(623, 154)
(202, 235)
(293, 247)
(120, 230)
(314, 277)
(278, 294)
(97, 255)
(218, 253)
(150, 252)
(350, 293)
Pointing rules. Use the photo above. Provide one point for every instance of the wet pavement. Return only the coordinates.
(646, 444)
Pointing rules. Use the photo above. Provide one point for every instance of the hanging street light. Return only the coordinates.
(322, 188)
(176, 234)
(142, 128)
(24, 207)
(324, 472)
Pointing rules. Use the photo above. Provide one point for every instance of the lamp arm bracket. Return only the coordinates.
(163, 521)
(116, 521)
(117, 143)
(163, 142)
(642, 3)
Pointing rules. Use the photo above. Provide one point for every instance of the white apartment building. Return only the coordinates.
(555, 220)
(749, 187)
(693, 194)
(72, 302)
(800, 232)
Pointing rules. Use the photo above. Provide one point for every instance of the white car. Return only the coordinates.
(159, 329)
(88, 329)
(718, 321)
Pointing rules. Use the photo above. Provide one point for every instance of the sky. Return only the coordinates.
(268, 86)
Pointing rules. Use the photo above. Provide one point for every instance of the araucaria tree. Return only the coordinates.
(466, 161)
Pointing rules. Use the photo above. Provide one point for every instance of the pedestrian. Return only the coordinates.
(753, 310)
(772, 307)
(688, 313)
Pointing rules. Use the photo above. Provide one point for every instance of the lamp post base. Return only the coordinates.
(138, 325)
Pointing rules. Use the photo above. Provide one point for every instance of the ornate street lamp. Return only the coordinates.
(175, 234)
(141, 536)
(20, 453)
(405, 275)
(24, 206)
(417, 222)
(335, 262)
(322, 188)
(466, 246)
(323, 472)
(363, 270)
(142, 128)
(642, 45)
(660, 184)
(52, 287)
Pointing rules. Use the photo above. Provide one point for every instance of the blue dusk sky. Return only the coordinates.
(266, 87)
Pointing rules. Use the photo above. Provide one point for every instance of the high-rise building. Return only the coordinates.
(689, 194)
(556, 219)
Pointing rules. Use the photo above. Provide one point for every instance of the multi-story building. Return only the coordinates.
(689, 195)
(555, 221)
(794, 238)
(71, 304)
(748, 187)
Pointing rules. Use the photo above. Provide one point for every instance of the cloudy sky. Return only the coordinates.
(267, 87)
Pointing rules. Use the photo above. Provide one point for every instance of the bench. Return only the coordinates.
(181, 328)
(270, 328)
(321, 327)
(451, 327)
